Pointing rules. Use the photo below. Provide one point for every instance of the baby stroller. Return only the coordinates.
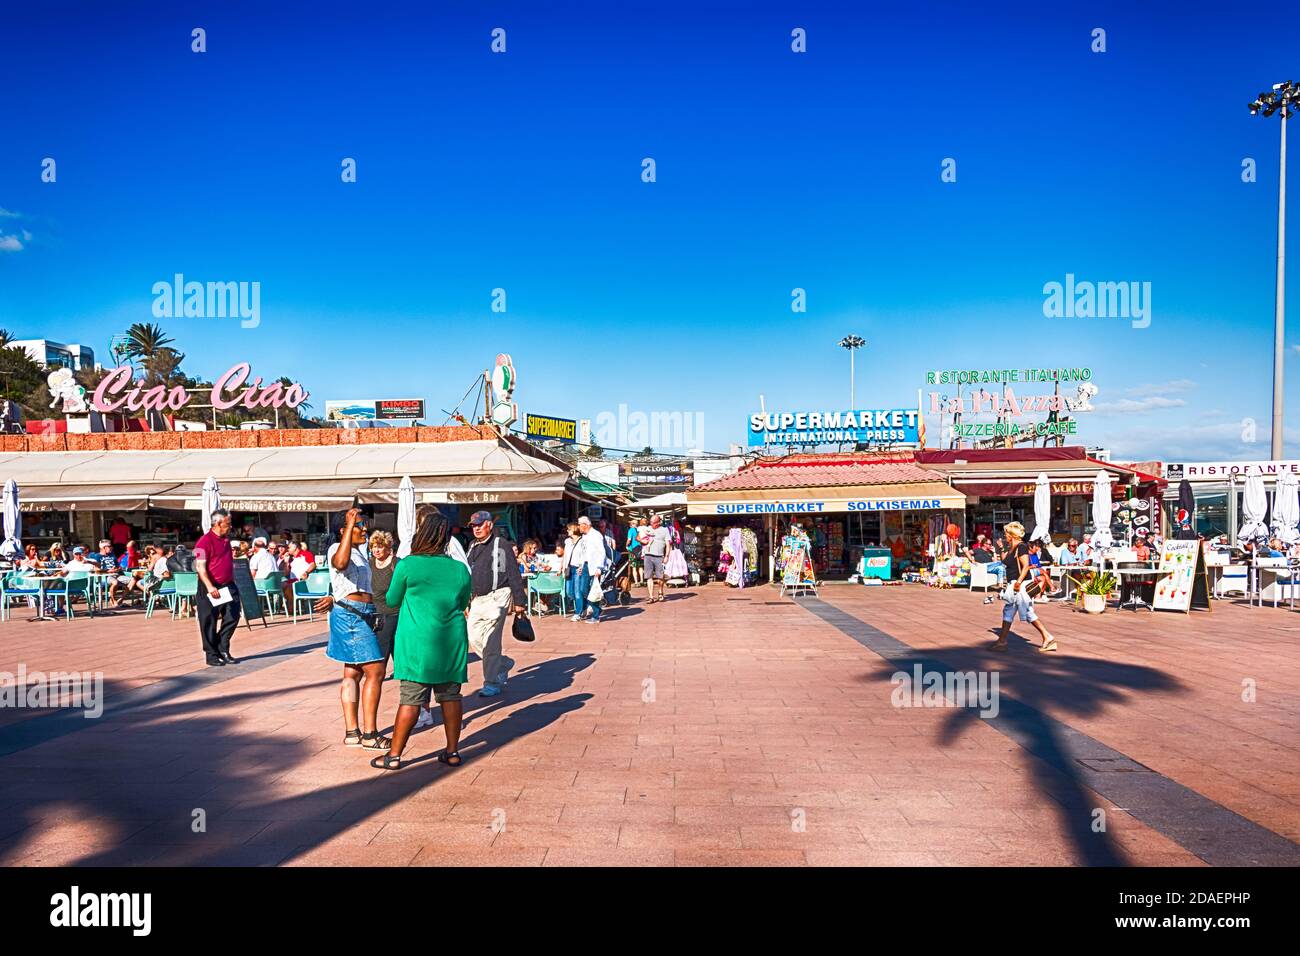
(616, 582)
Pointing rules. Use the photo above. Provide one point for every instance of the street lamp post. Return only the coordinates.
(1285, 98)
(852, 343)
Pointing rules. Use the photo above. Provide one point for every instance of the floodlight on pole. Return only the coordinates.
(1284, 99)
(852, 343)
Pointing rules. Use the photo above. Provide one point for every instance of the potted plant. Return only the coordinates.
(1093, 590)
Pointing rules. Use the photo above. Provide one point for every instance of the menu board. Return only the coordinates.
(1182, 569)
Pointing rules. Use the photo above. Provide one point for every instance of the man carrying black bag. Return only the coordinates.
(497, 590)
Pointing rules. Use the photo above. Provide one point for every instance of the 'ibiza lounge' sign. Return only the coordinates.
(118, 391)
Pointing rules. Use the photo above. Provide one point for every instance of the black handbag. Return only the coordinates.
(522, 630)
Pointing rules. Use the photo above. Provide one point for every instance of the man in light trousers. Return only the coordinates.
(496, 590)
(591, 559)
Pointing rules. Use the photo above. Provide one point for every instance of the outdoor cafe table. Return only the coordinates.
(1135, 598)
(96, 579)
(1278, 571)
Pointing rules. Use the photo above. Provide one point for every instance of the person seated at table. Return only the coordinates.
(301, 561)
(528, 557)
(107, 562)
(1274, 549)
(1069, 555)
(1141, 550)
(56, 558)
(1039, 568)
(1087, 553)
(156, 568)
(31, 560)
(261, 562)
(81, 563)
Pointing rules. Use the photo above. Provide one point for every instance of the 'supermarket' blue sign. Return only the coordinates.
(889, 426)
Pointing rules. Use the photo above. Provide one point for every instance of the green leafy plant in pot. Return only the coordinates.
(1093, 590)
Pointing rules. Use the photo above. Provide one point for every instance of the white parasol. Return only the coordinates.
(405, 516)
(1101, 511)
(211, 502)
(1286, 508)
(12, 547)
(1254, 505)
(1042, 509)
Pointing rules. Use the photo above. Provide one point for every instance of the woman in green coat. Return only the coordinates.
(431, 593)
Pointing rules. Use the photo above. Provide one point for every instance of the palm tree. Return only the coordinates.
(286, 381)
(145, 340)
(164, 367)
(5, 338)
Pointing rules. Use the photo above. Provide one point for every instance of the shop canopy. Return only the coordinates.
(909, 496)
(1011, 473)
(824, 487)
(299, 478)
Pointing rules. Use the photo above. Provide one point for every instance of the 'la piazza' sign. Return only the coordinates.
(118, 391)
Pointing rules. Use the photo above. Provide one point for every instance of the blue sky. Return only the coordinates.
(775, 170)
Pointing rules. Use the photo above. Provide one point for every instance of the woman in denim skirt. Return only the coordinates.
(353, 642)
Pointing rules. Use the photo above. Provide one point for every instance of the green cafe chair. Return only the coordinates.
(15, 587)
(187, 590)
(312, 590)
(542, 584)
(166, 591)
(271, 590)
(72, 586)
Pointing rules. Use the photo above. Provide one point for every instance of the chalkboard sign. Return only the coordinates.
(250, 603)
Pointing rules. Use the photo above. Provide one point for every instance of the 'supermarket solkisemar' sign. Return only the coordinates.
(871, 426)
(813, 507)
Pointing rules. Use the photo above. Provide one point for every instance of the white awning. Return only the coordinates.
(471, 489)
(122, 497)
(320, 477)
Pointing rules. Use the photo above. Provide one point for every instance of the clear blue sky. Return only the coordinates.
(775, 170)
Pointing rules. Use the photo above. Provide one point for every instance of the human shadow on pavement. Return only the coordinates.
(1037, 692)
(141, 783)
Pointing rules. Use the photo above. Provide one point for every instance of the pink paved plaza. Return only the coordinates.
(721, 727)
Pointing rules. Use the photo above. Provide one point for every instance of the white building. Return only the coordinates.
(57, 355)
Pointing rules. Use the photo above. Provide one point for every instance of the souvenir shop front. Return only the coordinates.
(843, 507)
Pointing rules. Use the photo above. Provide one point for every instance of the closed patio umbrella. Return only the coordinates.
(1286, 509)
(1101, 511)
(211, 502)
(405, 516)
(1185, 515)
(12, 547)
(1042, 509)
(1254, 506)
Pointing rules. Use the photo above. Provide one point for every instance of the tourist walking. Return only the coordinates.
(214, 562)
(634, 550)
(1017, 599)
(383, 562)
(353, 641)
(588, 562)
(656, 548)
(497, 590)
(431, 591)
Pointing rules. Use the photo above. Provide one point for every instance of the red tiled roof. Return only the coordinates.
(813, 475)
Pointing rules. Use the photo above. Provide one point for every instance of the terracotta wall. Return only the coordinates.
(267, 438)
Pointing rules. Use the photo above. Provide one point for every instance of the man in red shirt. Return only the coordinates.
(119, 533)
(215, 563)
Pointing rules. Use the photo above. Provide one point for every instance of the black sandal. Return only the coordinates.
(352, 738)
(448, 757)
(387, 762)
(372, 741)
